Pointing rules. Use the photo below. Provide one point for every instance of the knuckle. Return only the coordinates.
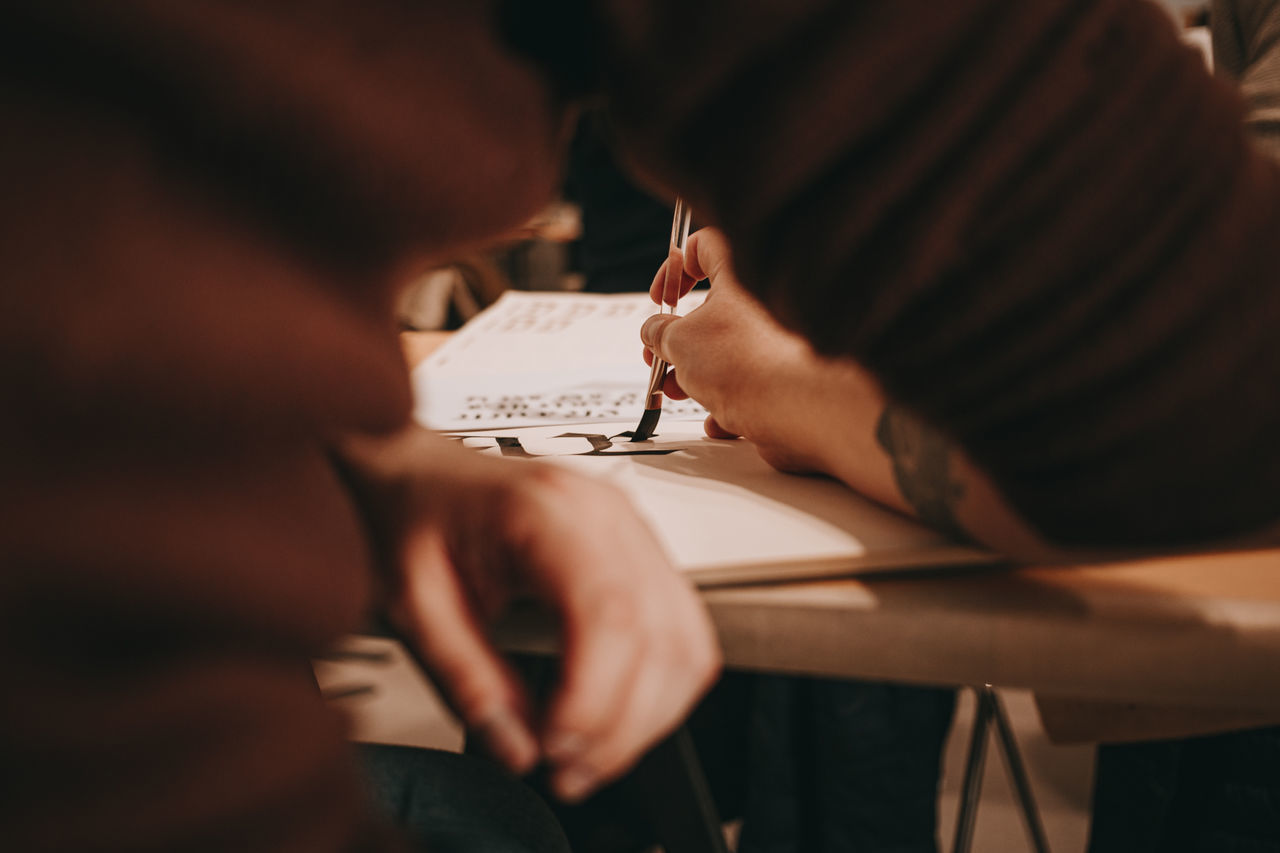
(656, 334)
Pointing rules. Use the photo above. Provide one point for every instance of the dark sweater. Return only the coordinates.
(1041, 224)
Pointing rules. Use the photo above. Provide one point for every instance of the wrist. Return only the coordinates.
(840, 434)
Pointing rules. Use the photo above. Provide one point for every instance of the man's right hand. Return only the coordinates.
(757, 379)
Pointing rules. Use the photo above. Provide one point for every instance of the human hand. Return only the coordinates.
(757, 379)
(471, 534)
(807, 413)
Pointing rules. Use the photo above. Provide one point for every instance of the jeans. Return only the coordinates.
(449, 803)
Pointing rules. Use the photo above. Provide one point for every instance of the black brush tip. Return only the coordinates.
(648, 423)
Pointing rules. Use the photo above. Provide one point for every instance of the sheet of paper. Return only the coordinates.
(545, 358)
(722, 514)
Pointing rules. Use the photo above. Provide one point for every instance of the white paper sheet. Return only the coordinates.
(722, 514)
(545, 358)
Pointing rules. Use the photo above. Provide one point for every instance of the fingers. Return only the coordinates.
(638, 645)
(667, 287)
(603, 651)
(671, 387)
(437, 615)
(594, 738)
(706, 255)
(670, 384)
(656, 335)
(647, 710)
(659, 279)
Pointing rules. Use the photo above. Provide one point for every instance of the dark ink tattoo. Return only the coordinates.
(921, 459)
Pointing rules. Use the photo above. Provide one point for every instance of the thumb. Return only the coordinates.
(660, 333)
(707, 254)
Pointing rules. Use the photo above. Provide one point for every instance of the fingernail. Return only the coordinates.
(563, 747)
(509, 739)
(573, 784)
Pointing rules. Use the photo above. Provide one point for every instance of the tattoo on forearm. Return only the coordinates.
(921, 459)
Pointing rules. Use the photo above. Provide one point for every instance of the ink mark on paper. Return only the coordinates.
(601, 445)
(598, 405)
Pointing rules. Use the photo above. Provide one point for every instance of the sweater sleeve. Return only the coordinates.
(206, 209)
(1040, 224)
(1246, 49)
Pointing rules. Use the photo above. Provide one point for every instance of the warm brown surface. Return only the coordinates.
(1152, 632)
(1201, 631)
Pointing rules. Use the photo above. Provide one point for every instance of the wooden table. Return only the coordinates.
(1200, 631)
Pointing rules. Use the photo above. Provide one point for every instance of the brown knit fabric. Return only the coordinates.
(1037, 220)
(1039, 223)
(205, 206)
(1246, 49)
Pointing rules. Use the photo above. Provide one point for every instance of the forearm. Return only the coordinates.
(883, 451)
(823, 415)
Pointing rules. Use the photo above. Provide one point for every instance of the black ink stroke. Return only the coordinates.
(601, 445)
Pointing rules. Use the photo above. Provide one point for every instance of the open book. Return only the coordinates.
(563, 371)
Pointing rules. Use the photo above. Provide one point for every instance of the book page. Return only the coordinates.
(545, 358)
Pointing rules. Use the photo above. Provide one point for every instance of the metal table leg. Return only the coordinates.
(990, 712)
(1018, 774)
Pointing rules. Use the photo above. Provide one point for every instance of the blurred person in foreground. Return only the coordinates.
(207, 472)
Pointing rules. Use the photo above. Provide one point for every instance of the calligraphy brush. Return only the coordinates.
(670, 295)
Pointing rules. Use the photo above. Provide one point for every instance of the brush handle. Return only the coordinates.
(674, 273)
(653, 397)
(680, 222)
